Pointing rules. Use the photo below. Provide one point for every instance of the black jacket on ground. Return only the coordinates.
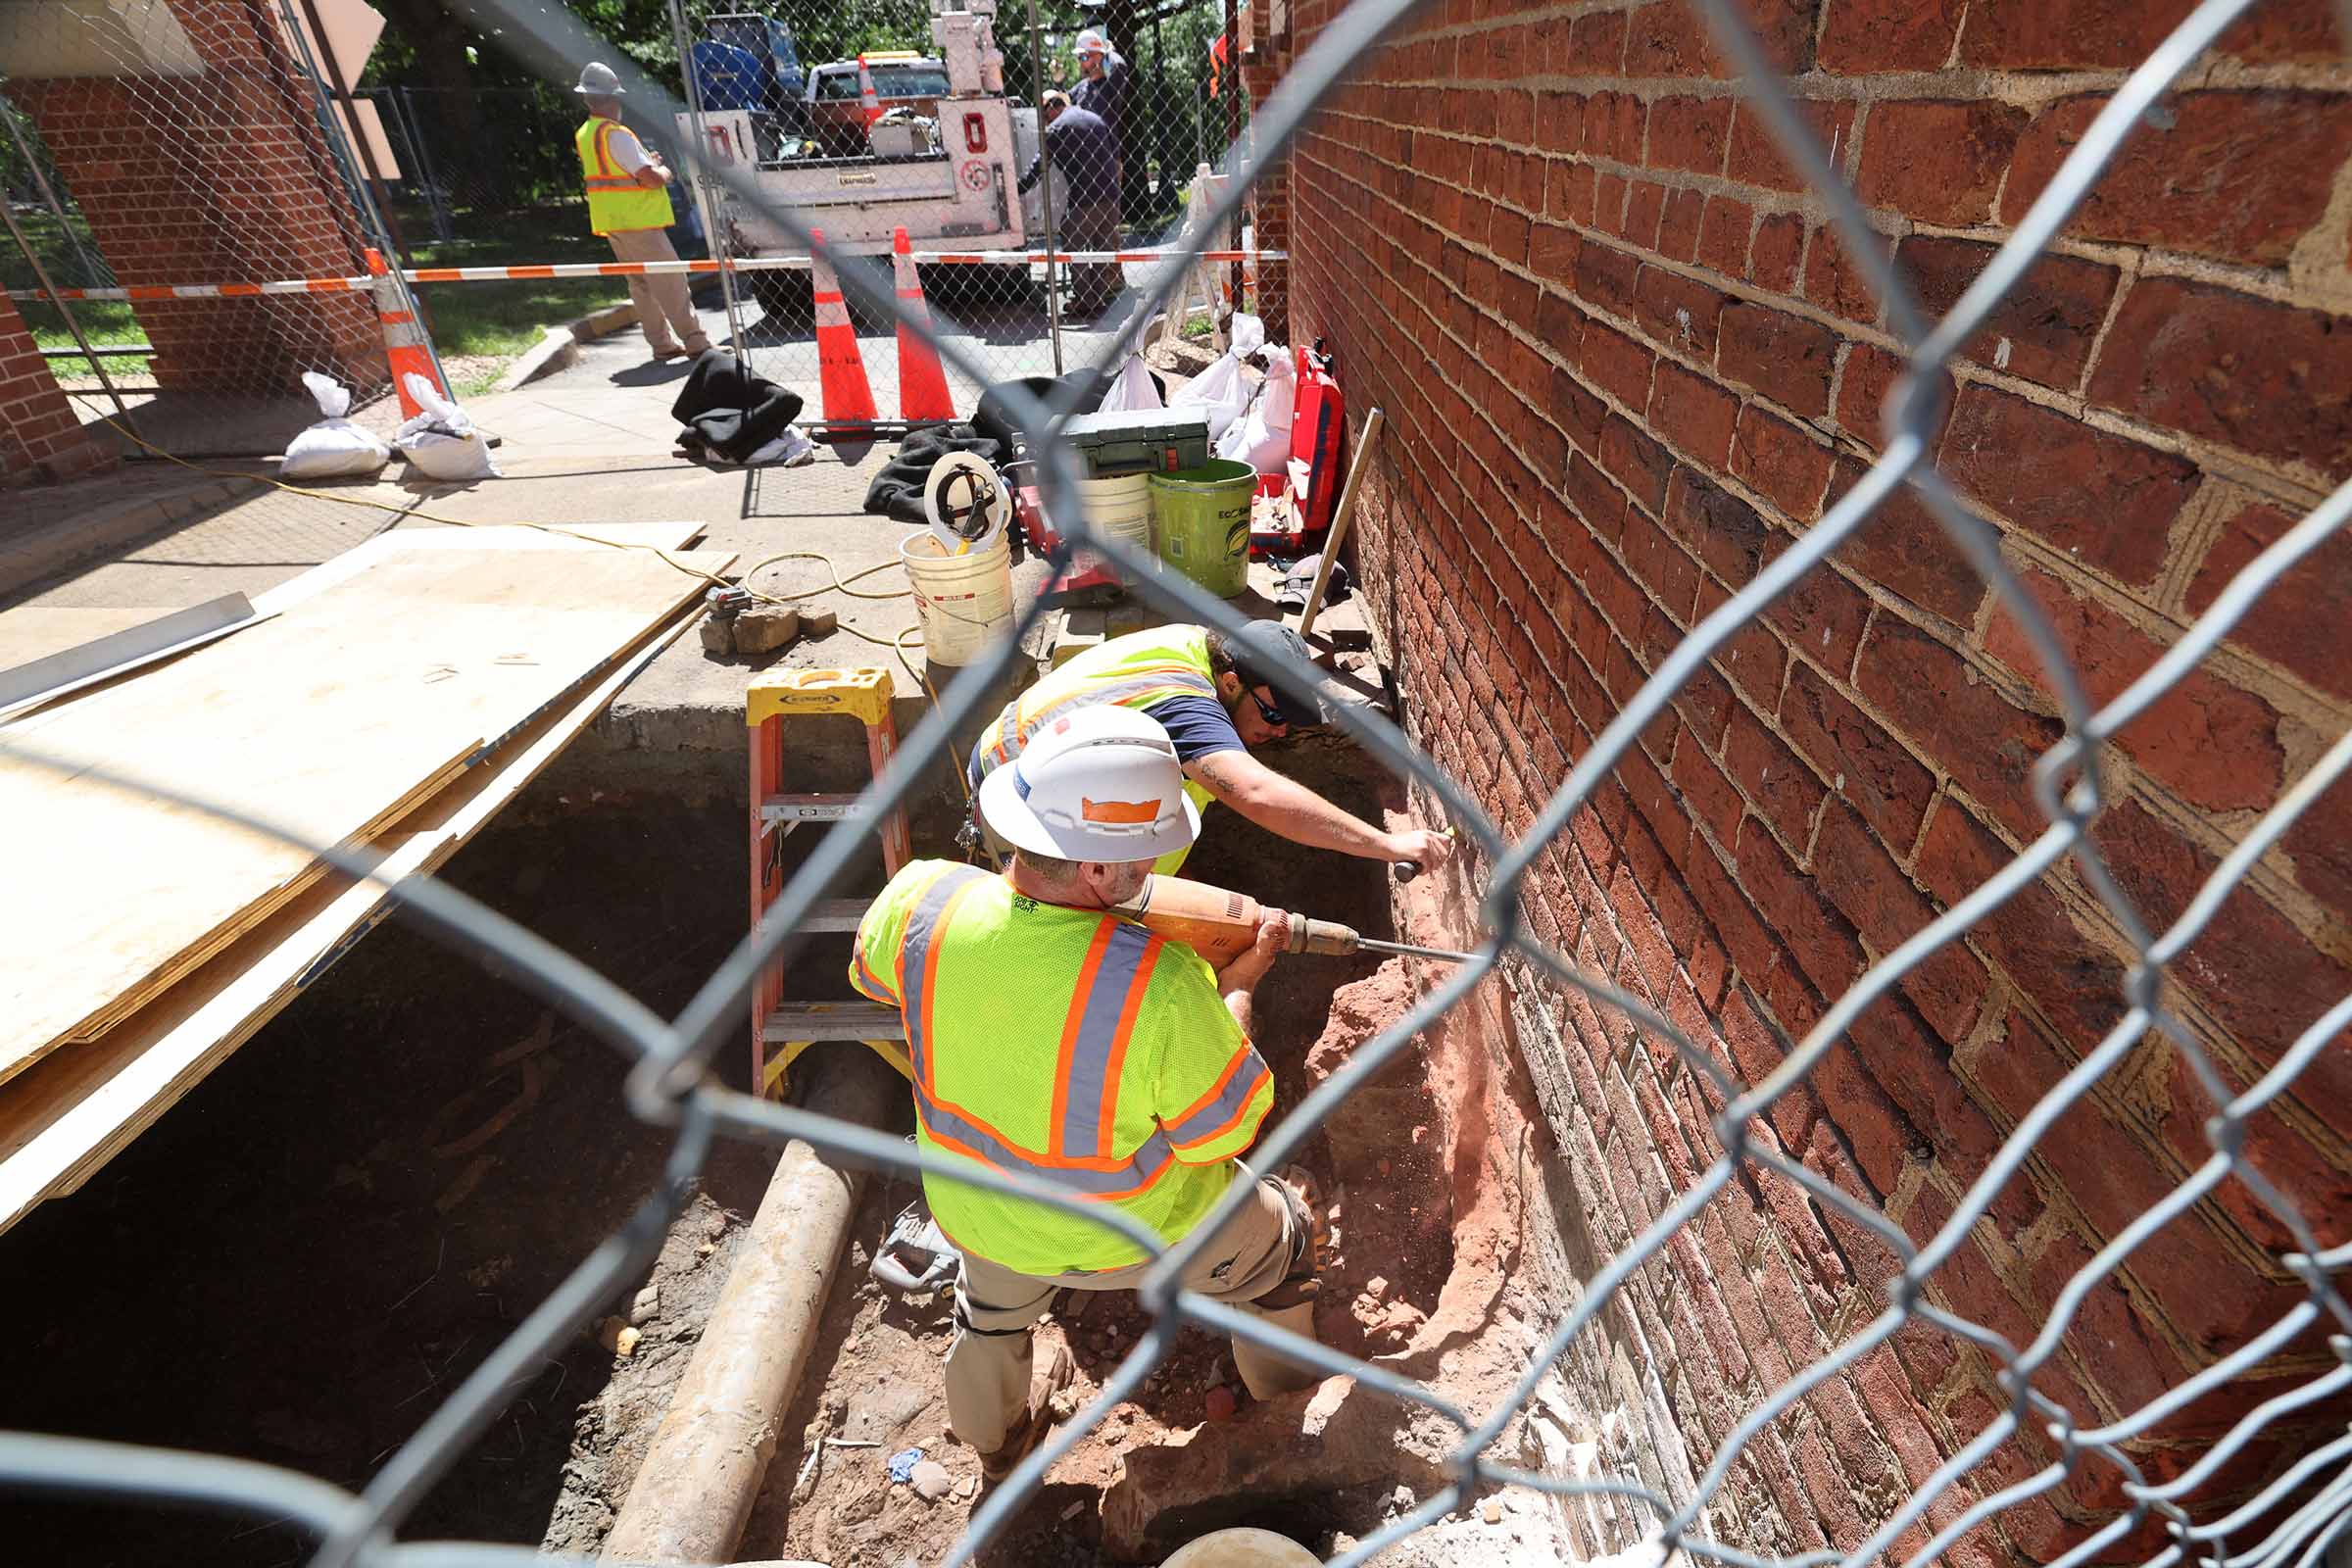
(898, 490)
(727, 411)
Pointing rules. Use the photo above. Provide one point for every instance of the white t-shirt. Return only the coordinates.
(622, 144)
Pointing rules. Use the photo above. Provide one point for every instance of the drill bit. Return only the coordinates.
(1372, 945)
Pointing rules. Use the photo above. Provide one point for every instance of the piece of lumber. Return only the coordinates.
(1344, 513)
(63, 1119)
(334, 720)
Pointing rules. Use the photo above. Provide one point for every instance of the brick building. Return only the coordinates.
(1625, 364)
(187, 136)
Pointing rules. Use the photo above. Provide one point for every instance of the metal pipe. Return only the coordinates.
(40, 275)
(708, 1457)
(92, 265)
(1045, 164)
(704, 201)
(1373, 944)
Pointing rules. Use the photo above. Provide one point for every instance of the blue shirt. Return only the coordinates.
(1083, 154)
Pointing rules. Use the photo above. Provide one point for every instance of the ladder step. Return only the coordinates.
(832, 1021)
(777, 808)
(836, 914)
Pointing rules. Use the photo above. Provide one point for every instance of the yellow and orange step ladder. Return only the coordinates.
(781, 1030)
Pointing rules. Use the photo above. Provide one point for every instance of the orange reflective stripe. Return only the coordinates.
(1206, 1100)
(605, 165)
(1072, 1027)
(1126, 1033)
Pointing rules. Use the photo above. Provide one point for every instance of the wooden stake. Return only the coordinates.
(1339, 521)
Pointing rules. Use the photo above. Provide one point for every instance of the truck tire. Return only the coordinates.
(783, 298)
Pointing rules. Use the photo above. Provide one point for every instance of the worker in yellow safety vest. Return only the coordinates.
(1216, 700)
(628, 204)
(1052, 1038)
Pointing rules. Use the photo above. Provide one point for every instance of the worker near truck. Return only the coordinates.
(1103, 81)
(628, 204)
(1052, 1038)
(1078, 144)
(1216, 697)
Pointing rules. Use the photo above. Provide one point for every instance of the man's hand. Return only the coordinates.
(1248, 968)
(1421, 846)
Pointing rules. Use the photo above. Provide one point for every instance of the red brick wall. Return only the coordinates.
(1624, 365)
(39, 435)
(219, 178)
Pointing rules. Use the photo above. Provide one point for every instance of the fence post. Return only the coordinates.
(1045, 165)
(705, 202)
(429, 178)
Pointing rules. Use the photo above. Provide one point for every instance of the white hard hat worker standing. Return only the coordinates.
(628, 204)
(1052, 1038)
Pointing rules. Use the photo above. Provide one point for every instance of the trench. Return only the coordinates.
(305, 1257)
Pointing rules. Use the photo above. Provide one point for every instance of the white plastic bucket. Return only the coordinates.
(1120, 507)
(964, 602)
(1243, 1548)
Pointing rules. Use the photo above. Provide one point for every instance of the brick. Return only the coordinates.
(1596, 501)
(1723, 235)
(2260, 976)
(1574, 406)
(1645, 212)
(2265, 378)
(1678, 311)
(1692, 134)
(2100, 498)
(1983, 739)
(1865, 35)
(2285, 626)
(1903, 548)
(1817, 936)
(1780, 461)
(2043, 327)
(1774, 252)
(1606, 278)
(1719, 527)
(1884, 783)
(2216, 745)
(1869, 888)
(1640, 463)
(1692, 413)
(1787, 358)
(1937, 162)
(1595, 43)
(2055, 34)
(1834, 280)
(1678, 231)
(1783, 790)
(1756, 158)
(1616, 364)
(1613, 126)
(2236, 176)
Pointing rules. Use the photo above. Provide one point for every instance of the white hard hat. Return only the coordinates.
(1093, 43)
(1101, 783)
(597, 81)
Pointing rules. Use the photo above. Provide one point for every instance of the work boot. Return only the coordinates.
(1036, 1422)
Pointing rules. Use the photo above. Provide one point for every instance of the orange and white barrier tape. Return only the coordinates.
(557, 270)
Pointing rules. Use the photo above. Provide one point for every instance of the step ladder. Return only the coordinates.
(781, 1030)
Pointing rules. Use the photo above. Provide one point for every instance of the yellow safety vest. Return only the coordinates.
(1068, 1045)
(1136, 671)
(617, 203)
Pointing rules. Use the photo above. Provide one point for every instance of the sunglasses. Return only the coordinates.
(1268, 711)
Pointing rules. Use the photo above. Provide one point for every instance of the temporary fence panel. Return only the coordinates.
(1916, 1516)
(182, 144)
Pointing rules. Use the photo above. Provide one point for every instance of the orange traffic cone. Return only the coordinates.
(406, 350)
(870, 102)
(848, 399)
(922, 384)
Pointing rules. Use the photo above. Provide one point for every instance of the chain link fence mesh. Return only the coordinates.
(153, 148)
(2287, 1522)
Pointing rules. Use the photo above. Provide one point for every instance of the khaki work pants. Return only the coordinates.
(664, 306)
(1260, 1261)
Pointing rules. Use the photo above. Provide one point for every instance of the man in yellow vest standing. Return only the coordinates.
(628, 203)
(1051, 1037)
(1216, 699)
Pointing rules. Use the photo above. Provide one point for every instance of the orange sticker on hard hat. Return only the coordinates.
(1121, 813)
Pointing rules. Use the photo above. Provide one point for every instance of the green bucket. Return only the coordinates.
(1201, 519)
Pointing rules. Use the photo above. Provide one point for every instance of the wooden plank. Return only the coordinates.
(65, 1119)
(332, 720)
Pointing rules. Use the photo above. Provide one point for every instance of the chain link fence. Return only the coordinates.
(2286, 1522)
(164, 165)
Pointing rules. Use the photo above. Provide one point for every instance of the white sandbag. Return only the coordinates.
(441, 443)
(334, 448)
(1132, 390)
(1221, 392)
(1261, 437)
(790, 450)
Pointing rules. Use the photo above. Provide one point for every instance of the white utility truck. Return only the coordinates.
(951, 181)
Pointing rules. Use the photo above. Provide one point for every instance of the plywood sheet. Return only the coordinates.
(64, 1118)
(332, 720)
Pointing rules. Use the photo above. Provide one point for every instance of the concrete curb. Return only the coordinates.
(560, 348)
(46, 551)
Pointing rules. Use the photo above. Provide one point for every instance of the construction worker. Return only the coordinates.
(1082, 153)
(628, 204)
(1216, 699)
(1103, 76)
(1053, 1039)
